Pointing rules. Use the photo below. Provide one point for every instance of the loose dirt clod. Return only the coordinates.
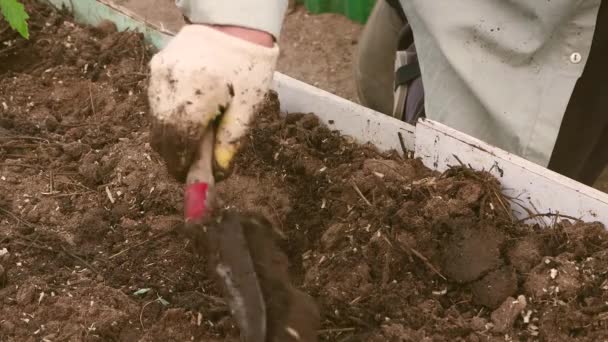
(554, 276)
(472, 251)
(525, 254)
(389, 249)
(494, 287)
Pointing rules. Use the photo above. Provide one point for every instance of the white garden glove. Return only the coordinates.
(201, 75)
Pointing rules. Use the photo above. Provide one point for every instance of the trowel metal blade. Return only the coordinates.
(234, 266)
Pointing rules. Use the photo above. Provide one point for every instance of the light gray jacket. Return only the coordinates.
(501, 71)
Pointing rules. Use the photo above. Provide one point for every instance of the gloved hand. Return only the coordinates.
(202, 75)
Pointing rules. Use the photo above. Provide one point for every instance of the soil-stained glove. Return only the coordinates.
(200, 76)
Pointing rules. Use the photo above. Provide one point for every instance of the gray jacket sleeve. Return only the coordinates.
(502, 71)
(263, 15)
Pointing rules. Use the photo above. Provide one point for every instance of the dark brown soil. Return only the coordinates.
(90, 220)
(392, 251)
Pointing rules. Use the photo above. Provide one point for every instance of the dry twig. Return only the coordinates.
(402, 143)
(424, 260)
(141, 313)
(91, 100)
(21, 165)
(17, 218)
(79, 259)
(157, 236)
(556, 215)
(34, 244)
(335, 330)
(427, 262)
(354, 185)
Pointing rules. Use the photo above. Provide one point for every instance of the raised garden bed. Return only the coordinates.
(391, 251)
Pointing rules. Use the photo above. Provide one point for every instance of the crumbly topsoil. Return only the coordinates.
(90, 242)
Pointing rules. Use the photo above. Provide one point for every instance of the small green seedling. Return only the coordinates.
(14, 13)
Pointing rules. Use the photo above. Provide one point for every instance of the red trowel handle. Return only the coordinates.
(200, 183)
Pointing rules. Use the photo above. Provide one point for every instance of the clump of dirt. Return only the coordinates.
(472, 251)
(90, 245)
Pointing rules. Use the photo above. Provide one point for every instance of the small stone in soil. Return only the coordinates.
(470, 193)
(332, 236)
(26, 294)
(51, 123)
(478, 323)
(507, 313)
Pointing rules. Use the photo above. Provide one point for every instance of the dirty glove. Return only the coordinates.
(202, 75)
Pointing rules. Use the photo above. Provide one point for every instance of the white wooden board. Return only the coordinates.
(537, 188)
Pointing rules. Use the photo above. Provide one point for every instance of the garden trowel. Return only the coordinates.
(223, 238)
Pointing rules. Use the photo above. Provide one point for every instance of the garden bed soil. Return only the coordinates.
(91, 246)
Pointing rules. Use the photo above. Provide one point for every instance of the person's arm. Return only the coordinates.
(252, 35)
(260, 15)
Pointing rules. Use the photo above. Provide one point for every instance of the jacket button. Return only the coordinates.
(575, 57)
